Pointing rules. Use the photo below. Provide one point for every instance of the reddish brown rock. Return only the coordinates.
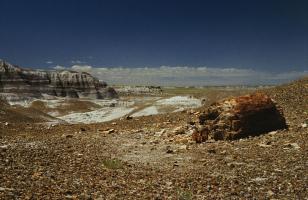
(200, 135)
(239, 117)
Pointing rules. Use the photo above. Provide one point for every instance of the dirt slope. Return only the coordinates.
(19, 114)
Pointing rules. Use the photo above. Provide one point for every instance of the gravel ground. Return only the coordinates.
(147, 158)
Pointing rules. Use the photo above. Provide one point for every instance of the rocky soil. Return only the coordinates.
(154, 157)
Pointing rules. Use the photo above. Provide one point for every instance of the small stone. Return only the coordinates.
(304, 125)
(128, 117)
(169, 150)
(270, 193)
(69, 197)
(6, 123)
(67, 136)
(154, 142)
(183, 147)
(181, 141)
(108, 131)
(191, 123)
(160, 133)
(264, 145)
(258, 179)
(211, 151)
(175, 164)
(223, 152)
(114, 123)
(169, 183)
(4, 147)
(2, 189)
(292, 146)
(272, 133)
(277, 170)
(179, 130)
(85, 196)
(82, 129)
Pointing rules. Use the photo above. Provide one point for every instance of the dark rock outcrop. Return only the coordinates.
(17, 83)
(240, 117)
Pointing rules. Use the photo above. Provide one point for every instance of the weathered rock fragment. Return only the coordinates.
(239, 117)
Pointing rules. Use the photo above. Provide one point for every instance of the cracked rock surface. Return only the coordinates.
(239, 117)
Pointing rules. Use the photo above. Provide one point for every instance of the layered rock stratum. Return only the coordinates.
(17, 83)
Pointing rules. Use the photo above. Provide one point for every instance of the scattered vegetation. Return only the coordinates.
(112, 164)
(185, 195)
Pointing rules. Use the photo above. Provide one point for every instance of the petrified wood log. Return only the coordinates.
(239, 117)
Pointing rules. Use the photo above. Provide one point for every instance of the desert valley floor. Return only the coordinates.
(150, 157)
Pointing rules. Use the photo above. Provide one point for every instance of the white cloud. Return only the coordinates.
(187, 76)
(77, 62)
(84, 68)
(49, 62)
(58, 67)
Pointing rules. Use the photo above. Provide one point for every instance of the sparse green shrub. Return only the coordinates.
(112, 164)
(184, 195)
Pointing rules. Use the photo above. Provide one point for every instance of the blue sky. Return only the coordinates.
(257, 37)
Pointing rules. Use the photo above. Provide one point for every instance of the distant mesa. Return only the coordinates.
(17, 83)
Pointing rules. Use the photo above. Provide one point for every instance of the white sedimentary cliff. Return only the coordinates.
(18, 83)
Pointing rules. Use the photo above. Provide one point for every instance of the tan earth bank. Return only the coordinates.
(154, 157)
